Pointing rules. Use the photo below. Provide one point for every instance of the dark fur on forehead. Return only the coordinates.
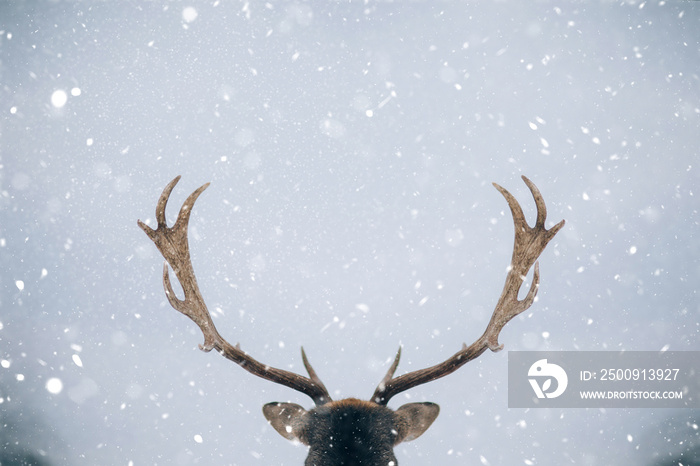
(351, 428)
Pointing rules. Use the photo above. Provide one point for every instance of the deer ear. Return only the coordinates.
(289, 419)
(413, 419)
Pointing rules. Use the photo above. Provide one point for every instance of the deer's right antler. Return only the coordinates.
(173, 245)
(529, 244)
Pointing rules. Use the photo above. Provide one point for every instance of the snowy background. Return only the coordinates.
(351, 148)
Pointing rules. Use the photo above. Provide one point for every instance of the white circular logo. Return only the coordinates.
(542, 370)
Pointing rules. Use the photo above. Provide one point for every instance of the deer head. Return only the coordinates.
(351, 431)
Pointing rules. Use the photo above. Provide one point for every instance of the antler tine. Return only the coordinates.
(312, 373)
(163, 201)
(389, 375)
(183, 217)
(173, 244)
(515, 209)
(539, 201)
(528, 245)
(202, 319)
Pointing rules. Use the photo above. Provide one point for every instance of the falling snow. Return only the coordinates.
(59, 98)
(54, 386)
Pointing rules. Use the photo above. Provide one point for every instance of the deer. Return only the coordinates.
(350, 431)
